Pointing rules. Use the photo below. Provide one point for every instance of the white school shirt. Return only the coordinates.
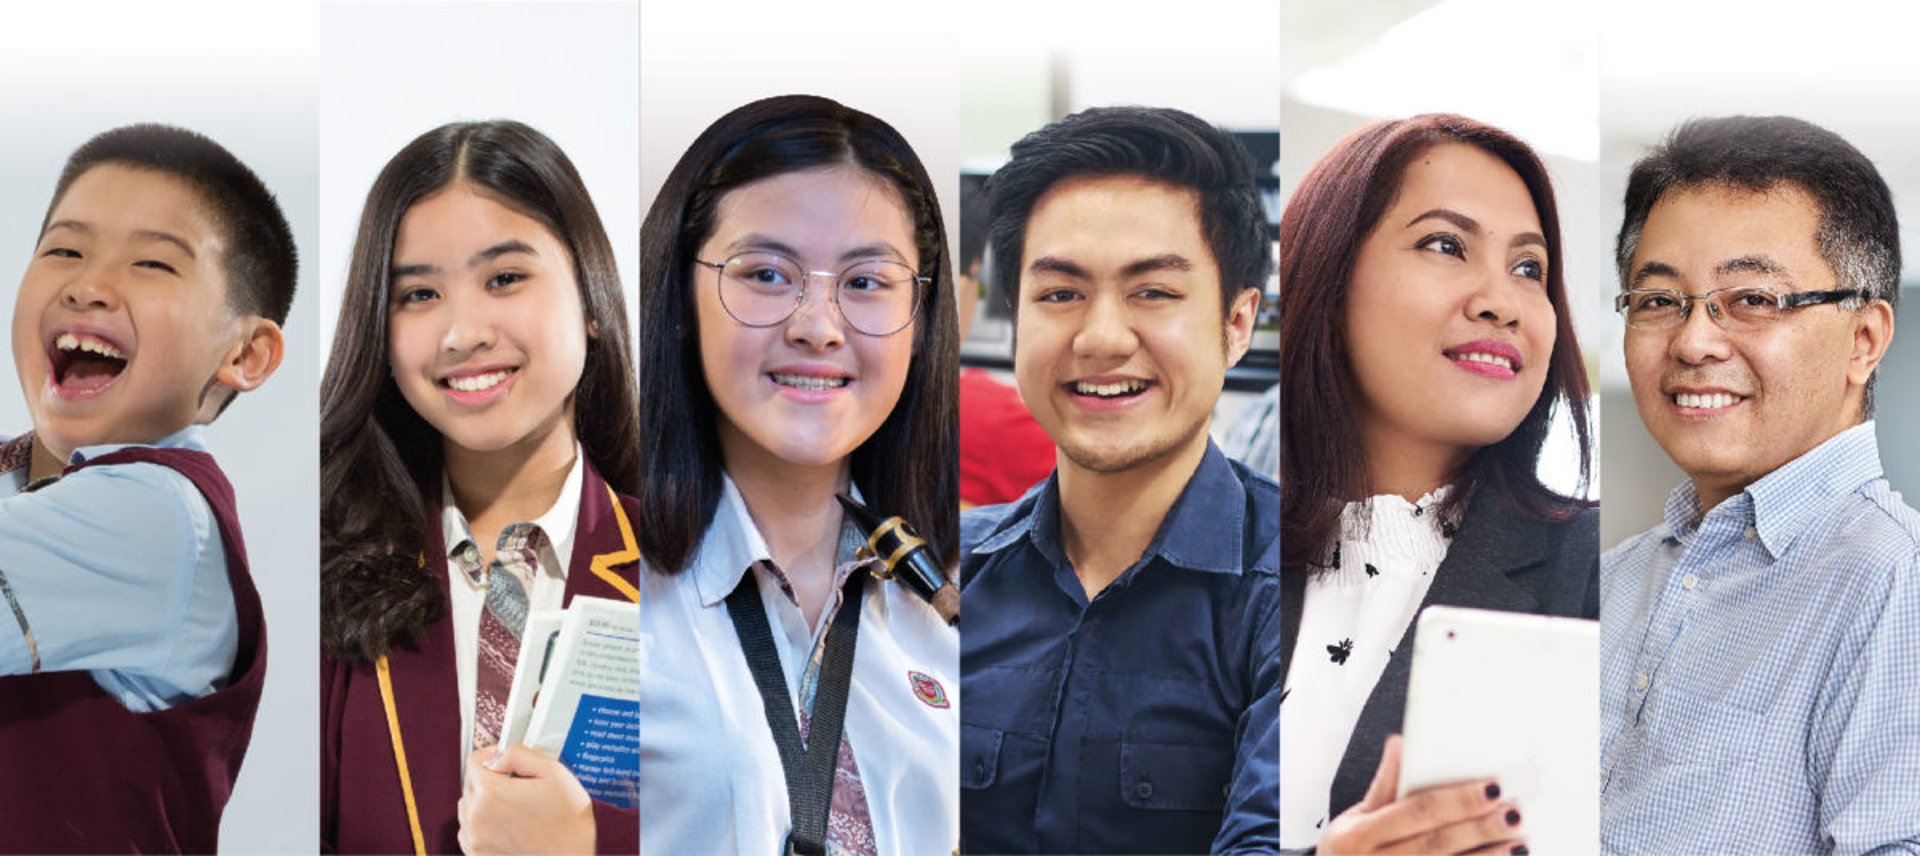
(1351, 619)
(469, 600)
(710, 776)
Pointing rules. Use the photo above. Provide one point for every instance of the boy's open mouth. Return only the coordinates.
(83, 363)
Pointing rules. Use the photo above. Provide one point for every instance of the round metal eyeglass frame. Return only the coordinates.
(1716, 305)
(800, 296)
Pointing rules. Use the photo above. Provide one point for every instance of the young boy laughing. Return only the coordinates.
(132, 646)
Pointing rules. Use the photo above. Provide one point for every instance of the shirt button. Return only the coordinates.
(1689, 581)
(979, 769)
(1640, 683)
(1750, 533)
(1144, 790)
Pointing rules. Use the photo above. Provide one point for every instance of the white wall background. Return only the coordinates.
(393, 71)
(1526, 67)
(243, 74)
(893, 60)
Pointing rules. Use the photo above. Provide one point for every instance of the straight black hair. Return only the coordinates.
(908, 467)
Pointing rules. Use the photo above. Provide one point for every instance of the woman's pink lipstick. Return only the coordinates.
(1487, 358)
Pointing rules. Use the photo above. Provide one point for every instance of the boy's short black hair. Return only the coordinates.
(1159, 143)
(259, 257)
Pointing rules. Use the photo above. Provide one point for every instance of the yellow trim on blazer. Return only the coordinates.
(382, 671)
(602, 568)
(603, 563)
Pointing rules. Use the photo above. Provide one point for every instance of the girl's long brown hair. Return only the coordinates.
(379, 461)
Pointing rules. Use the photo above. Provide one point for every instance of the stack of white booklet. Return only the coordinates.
(576, 694)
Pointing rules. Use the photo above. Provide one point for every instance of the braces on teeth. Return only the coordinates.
(810, 382)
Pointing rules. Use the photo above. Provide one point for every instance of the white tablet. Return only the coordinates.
(1513, 697)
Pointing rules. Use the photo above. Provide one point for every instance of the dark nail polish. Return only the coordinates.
(1520, 850)
(1493, 791)
(1513, 817)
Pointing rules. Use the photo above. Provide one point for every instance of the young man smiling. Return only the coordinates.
(1121, 656)
(1760, 683)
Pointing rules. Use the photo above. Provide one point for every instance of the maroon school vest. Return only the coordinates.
(363, 806)
(81, 773)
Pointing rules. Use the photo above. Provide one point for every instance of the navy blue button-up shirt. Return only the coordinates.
(1145, 720)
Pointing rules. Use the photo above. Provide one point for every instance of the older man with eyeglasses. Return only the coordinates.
(1760, 666)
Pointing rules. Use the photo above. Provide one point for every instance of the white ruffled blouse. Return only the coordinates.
(1354, 614)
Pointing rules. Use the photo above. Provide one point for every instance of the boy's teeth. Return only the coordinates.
(1707, 400)
(475, 383)
(1109, 390)
(1477, 357)
(812, 382)
(88, 344)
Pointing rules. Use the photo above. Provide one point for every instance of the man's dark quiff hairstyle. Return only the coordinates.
(259, 257)
(1158, 143)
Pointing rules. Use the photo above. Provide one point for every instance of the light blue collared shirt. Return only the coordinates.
(118, 571)
(1760, 667)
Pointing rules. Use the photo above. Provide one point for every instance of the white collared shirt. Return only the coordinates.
(710, 776)
(468, 599)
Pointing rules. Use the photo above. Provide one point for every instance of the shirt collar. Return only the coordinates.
(733, 545)
(191, 437)
(1781, 504)
(1203, 530)
(1788, 499)
(17, 454)
(556, 523)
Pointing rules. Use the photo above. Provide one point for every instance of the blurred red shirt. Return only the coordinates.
(1003, 452)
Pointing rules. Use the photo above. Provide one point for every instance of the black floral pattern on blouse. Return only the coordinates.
(1341, 652)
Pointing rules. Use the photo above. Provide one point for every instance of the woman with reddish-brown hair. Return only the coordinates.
(1426, 343)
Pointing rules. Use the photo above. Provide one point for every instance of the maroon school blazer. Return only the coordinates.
(363, 805)
(81, 773)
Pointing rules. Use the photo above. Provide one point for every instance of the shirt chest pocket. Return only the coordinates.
(1683, 729)
(979, 755)
(1174, 777)
(1694, 773)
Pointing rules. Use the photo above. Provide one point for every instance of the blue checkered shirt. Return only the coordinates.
(1760, 667)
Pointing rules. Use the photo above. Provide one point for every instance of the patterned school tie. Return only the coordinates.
(508, 581)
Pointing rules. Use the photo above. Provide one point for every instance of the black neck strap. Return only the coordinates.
(809, 767)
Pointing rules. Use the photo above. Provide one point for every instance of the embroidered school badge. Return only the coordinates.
(928, 690)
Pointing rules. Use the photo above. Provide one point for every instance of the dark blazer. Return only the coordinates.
(1501, 558)
(364, 793)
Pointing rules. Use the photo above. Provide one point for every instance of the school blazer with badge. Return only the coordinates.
(1501, 558)
(391, 729)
